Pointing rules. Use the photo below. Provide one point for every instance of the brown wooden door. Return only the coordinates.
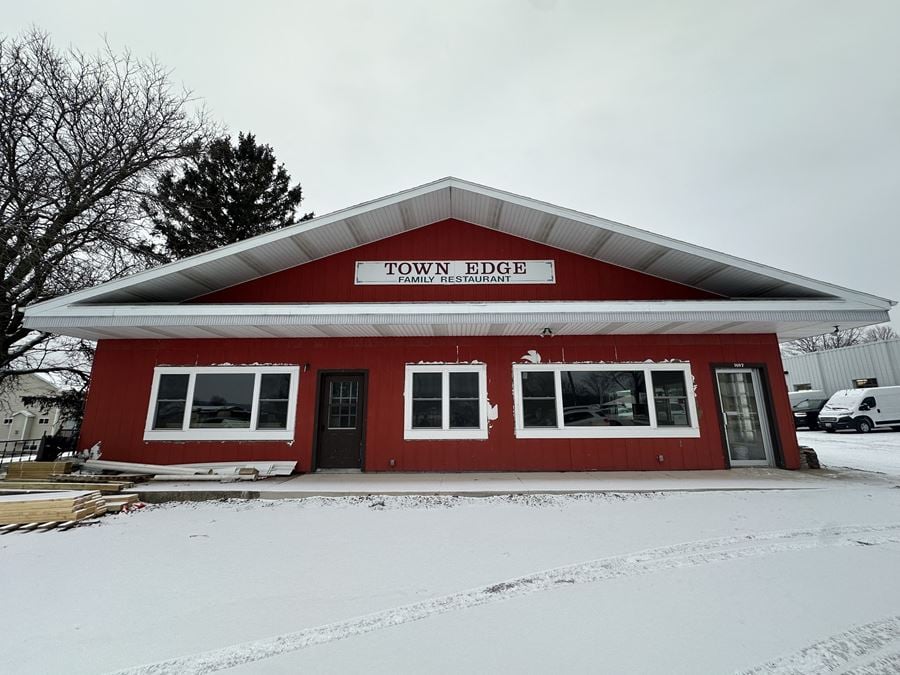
(342, 408)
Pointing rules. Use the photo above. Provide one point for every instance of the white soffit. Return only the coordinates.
(787, 319)
(579, 233)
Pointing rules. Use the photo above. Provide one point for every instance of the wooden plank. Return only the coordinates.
(37, 469)
(129, 498)
(100, 478)
(32, 495)
(50, 485)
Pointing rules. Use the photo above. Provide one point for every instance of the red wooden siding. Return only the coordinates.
(123, 369)
(331, 279)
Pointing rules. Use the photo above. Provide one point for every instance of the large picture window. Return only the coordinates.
(604, 400)
(223, 403)
(445, 401)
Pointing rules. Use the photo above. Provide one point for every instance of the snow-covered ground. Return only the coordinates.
(878, 451)
(713, 582)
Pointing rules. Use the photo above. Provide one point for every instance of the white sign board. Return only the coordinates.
(452, 272)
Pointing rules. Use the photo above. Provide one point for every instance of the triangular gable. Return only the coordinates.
(561, 228)
(332, 279)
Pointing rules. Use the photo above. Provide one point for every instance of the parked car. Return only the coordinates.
(862, 409)
(806, 412)
(588, 416)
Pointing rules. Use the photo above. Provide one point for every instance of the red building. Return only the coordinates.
(451, 327)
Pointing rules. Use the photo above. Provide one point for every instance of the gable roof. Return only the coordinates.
(562, 228)
(755, 298)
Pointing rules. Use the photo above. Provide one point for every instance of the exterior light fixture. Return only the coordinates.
(547, 332)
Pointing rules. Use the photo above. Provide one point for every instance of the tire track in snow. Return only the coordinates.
(843, 653)
(689, 554)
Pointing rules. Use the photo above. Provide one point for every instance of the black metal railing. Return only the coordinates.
(20, 449)
(43, 449)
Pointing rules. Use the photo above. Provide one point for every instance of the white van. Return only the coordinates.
(862, 409)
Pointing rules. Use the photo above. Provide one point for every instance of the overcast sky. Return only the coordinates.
(766, 129)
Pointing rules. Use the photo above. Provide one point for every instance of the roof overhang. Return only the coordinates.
(787, 319)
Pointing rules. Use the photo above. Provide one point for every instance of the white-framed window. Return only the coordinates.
(222, 403)
(43, 420)
(601, 400)
(445, 401)
(7, 421)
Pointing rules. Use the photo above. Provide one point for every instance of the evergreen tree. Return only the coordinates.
(229, 193)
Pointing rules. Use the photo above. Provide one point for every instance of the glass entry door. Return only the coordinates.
(744, 417)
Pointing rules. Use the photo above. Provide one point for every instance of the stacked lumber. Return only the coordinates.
(37, 470)
(50, 507)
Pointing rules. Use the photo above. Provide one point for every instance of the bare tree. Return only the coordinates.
(82, 138)
(837, 339)
(880, 333)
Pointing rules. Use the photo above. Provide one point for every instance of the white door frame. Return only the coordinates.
(762, 414)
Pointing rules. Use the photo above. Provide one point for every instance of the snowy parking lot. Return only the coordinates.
(783, 580)
(878, 451)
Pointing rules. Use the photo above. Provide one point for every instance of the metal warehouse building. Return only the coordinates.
(451, 327)
(874, 364)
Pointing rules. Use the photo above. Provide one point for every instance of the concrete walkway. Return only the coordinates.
(484, 484)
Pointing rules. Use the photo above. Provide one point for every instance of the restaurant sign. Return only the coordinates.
(450, 272)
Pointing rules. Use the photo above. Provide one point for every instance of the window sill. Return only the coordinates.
(445, 434)
(219, 435)
(610, 432)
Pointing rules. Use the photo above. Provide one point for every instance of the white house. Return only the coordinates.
(23, 422)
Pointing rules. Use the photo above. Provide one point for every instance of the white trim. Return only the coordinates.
(445, 433)
(473, 188)
(117, 313)
(562, 431)
(251, 434)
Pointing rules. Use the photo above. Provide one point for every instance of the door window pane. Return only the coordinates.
(538, 399)
(670, 398)
(607, 397)
(171, 398)
(343, 401)
(222, 401)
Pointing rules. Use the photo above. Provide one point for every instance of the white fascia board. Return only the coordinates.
(364, 312)
(676, 244)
